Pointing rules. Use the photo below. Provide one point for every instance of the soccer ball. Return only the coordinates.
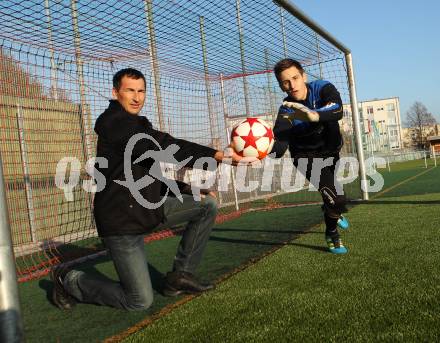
(252, 137)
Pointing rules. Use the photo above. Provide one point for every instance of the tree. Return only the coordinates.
(420, 120)
(16, 81)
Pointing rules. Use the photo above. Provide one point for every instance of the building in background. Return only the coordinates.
(410, 135)
(434, 145)
(381, 124)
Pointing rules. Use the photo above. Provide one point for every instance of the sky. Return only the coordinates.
(395, 46)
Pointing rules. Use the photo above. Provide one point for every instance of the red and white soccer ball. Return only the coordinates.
(252, 137)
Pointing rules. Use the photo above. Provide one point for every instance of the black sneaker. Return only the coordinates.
(178, 283)
(60, 297)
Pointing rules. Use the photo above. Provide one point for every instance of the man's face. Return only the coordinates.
(131, 94)
(293, 82)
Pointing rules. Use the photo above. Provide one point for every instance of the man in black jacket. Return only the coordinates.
(134, 201)
(307, 124)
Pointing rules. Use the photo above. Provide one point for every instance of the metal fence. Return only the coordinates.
(206, 63)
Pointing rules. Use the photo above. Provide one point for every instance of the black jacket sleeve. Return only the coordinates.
(124, 129)
(332, 104)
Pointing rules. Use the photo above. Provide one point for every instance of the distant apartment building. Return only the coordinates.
(380, 124)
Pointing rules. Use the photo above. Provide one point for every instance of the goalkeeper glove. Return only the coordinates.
(301, 112)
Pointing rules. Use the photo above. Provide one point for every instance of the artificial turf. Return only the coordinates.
(233, 244)
(386, 289)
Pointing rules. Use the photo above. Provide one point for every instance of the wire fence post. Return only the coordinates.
(283, 32)
(26, 174)
(243, 60)
(321, 74)
(213, 125)
(269, 84)
(155, 73)
(85, 118)
(53, 69)
(228, 137)
(84, 110)
(11, 325)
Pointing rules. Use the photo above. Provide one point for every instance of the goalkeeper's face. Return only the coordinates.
(293, 82)
(131, 94)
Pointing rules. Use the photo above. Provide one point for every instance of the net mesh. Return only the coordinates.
(207, 64)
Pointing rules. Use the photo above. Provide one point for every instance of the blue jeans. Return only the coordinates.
(134, 290)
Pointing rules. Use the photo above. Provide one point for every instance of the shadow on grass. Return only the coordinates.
(54, 252)
(246, 241)
(397, 202)
(273, 243)
(308, 246)
(287, 232)
(221, 257)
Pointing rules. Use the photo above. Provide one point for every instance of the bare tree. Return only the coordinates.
(16, 81)
(420, 120)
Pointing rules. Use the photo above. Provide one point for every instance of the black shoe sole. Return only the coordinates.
(177, 292)
(60, 304)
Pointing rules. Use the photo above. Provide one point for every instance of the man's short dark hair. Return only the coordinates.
(129, 72)
(286, 64)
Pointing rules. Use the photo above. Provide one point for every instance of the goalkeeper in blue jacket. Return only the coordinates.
(307, 124)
